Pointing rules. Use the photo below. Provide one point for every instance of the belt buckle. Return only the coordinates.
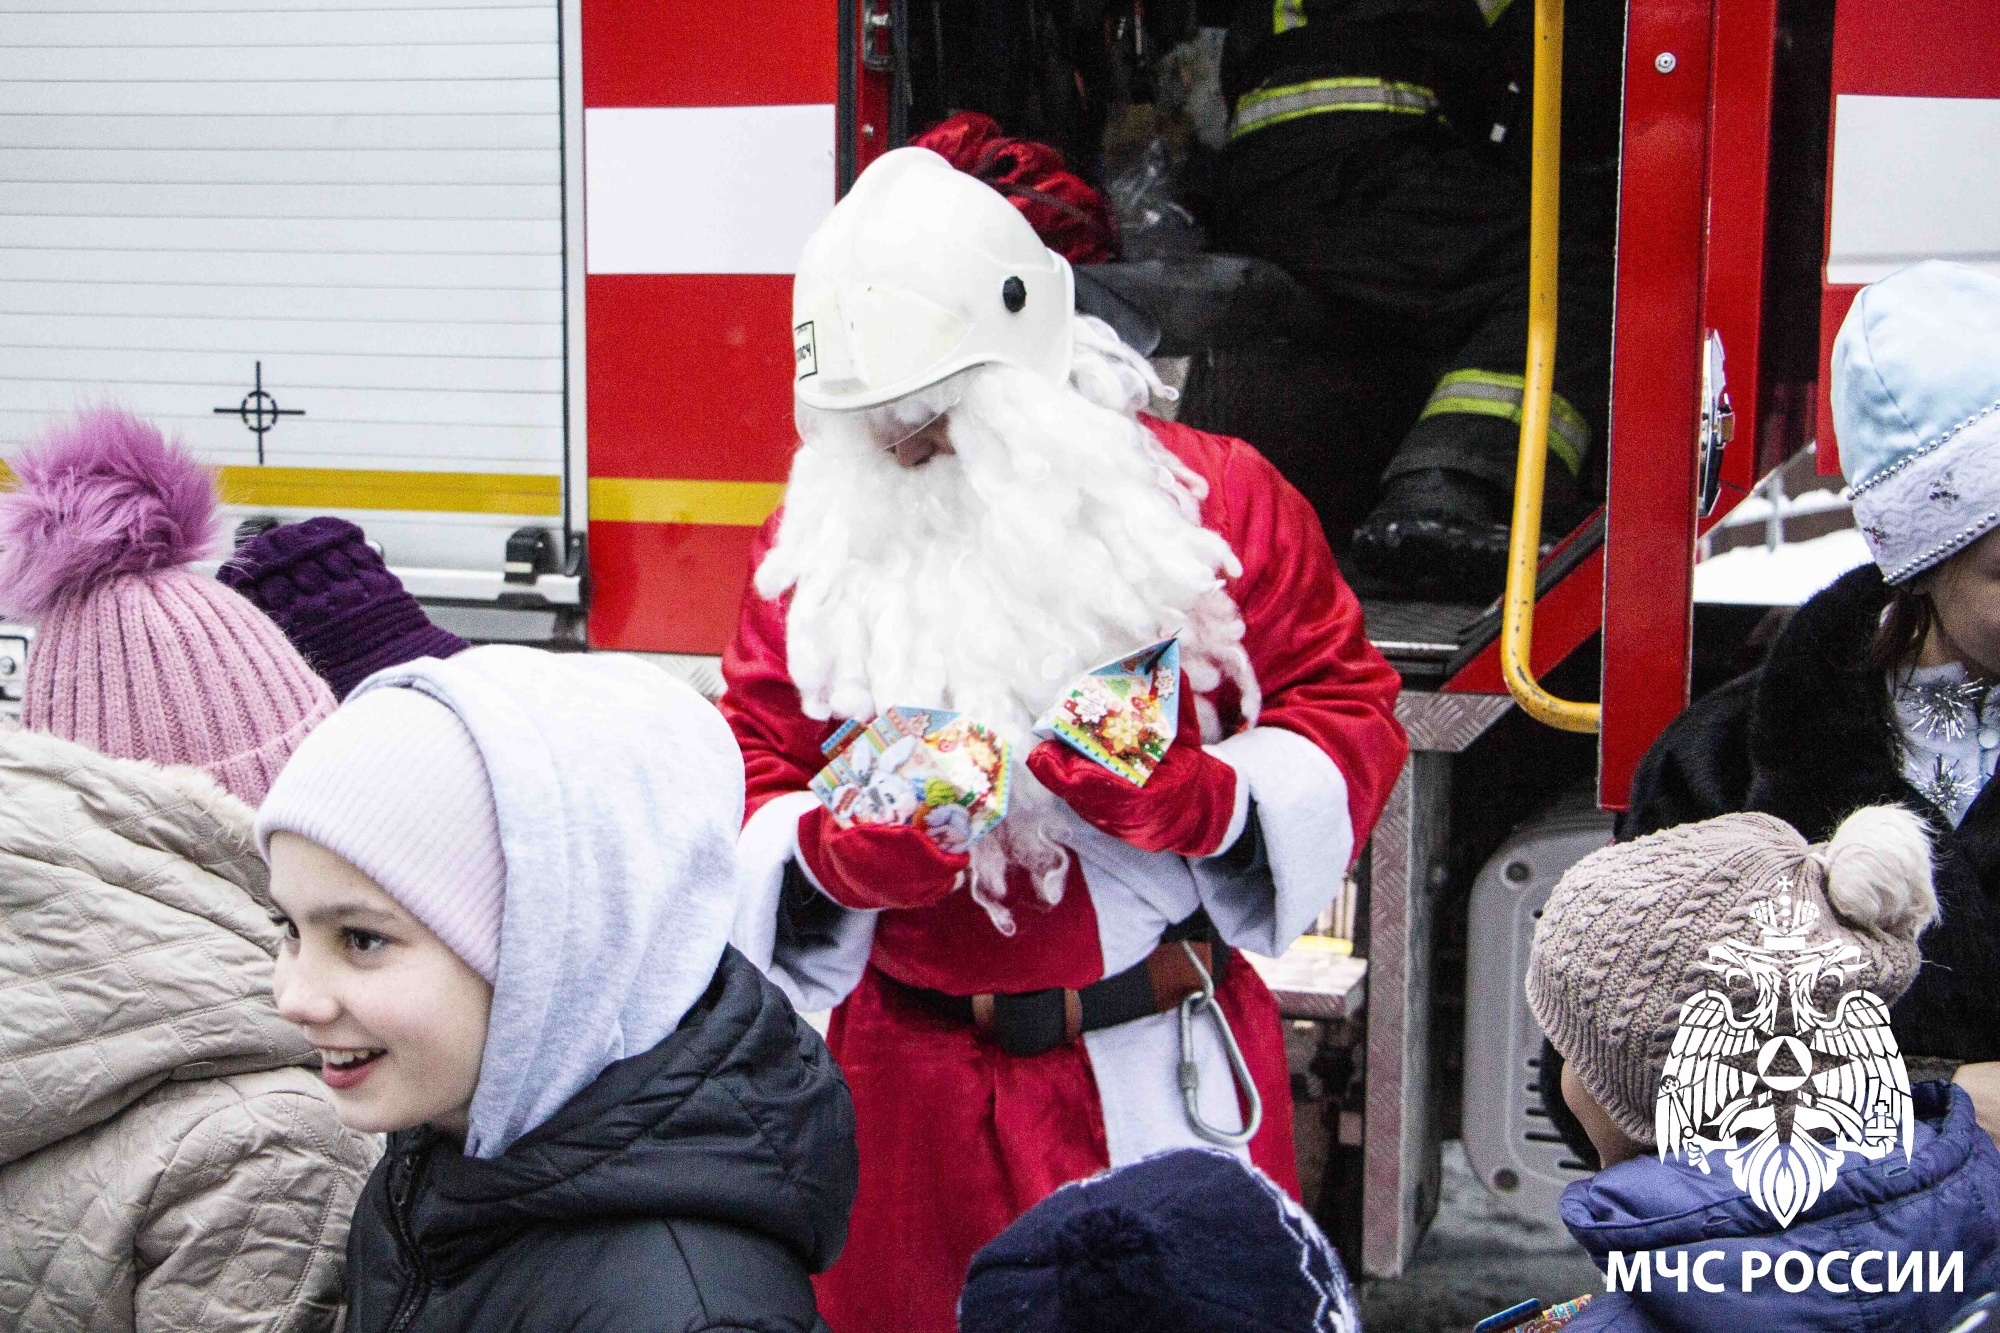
(1027, 1023)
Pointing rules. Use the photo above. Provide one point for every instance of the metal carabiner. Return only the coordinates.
(1191, 1074)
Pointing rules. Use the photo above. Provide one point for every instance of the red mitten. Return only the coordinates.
(1185, 807)
(876, 865)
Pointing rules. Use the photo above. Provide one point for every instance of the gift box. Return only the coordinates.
(928, 767)
(1122, 714)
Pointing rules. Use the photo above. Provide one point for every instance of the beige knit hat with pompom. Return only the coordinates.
(1621, 939)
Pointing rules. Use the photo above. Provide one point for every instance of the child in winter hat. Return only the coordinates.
(1193, 1240)
(1916, 409)
(1808, 946)
(136, 654)
(1624, 939)
(335, 599)
(1916, 406)
(508, 879)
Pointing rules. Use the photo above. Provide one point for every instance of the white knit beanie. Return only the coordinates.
(393, 783)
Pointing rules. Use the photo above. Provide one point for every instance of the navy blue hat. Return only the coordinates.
(1189, 1241)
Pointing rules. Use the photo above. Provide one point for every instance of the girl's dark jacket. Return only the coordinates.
(1810, 737)
(693, 1187)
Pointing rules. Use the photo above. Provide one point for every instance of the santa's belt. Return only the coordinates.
(1032, 1022)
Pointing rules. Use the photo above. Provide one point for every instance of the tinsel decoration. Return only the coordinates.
(1946, 787)
(1946, 711)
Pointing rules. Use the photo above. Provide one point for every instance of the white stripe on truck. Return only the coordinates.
(1913, 178)
(725, 189)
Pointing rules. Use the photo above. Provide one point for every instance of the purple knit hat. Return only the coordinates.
(335, 600)
(136, 655)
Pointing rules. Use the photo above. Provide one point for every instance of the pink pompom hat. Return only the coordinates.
(135, 654)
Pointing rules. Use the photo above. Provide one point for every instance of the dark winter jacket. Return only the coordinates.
(690, 1188)
(1811, 737)
(1945, 1199)
(1439, 45)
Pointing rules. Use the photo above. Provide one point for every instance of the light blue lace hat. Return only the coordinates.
(1916, 409)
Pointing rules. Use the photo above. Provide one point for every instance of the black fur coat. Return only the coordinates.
(1811, 737)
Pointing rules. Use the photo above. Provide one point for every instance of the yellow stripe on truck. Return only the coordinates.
(736, 504)
(421, 492)
(348, 488)
(742, 504)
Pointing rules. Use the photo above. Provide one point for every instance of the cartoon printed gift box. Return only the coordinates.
(1123, 714)
(928, 767)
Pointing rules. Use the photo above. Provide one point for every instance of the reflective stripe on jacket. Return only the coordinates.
(1274, 106)
(1493, 393)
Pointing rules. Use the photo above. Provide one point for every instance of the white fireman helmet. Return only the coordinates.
(921, 272)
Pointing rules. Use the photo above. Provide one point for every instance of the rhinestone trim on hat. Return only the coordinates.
(1923, 560)
(1923, 451)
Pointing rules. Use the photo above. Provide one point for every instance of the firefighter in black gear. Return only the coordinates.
(1369, 156)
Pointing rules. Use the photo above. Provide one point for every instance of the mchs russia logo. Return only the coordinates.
(1780, 1094)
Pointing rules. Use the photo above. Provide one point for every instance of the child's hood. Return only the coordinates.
(1944, 1199)
(619, 794)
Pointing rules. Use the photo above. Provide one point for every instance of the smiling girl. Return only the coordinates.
(395, 1008)
(505, 883)
(386, 983)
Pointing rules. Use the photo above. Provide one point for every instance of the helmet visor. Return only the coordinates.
(863, 430)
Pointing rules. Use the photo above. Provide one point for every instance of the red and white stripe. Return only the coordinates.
(1915, 170)
(708, 160)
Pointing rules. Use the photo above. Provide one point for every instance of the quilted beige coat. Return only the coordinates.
(166, 1160)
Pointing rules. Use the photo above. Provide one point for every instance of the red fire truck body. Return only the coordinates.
(687, 349)
(688, 418)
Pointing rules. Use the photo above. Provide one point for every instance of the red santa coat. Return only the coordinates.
(957, 1138)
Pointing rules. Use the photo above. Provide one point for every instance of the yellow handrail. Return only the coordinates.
(1524, 544)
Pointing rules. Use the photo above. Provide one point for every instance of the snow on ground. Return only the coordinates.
(1785, 576)
(1757, 508)
(1479, 1258)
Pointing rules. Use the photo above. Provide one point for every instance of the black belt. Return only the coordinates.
(1032, 1022)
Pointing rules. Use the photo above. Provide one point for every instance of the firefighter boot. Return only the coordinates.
(1436, 533)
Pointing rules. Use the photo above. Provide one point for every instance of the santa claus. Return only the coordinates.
(978, 513)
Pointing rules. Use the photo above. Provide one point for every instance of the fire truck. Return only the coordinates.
(507, 282)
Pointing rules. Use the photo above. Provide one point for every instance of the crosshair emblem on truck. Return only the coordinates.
(805, 352)
(259, 411)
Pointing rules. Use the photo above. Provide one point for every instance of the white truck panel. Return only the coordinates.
(1913, 178)
(365, 200)
(430, 374)
(236, 6)
(362, 202)
(492, 129)
(274, 97)
(226, 26)
(305, 236)
(198, 61)
(487, 341)
(328, 306)
(218, 268)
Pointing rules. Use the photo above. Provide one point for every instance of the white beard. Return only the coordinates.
(1059, 534)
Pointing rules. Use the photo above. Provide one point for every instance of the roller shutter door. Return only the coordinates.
(356, 205)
